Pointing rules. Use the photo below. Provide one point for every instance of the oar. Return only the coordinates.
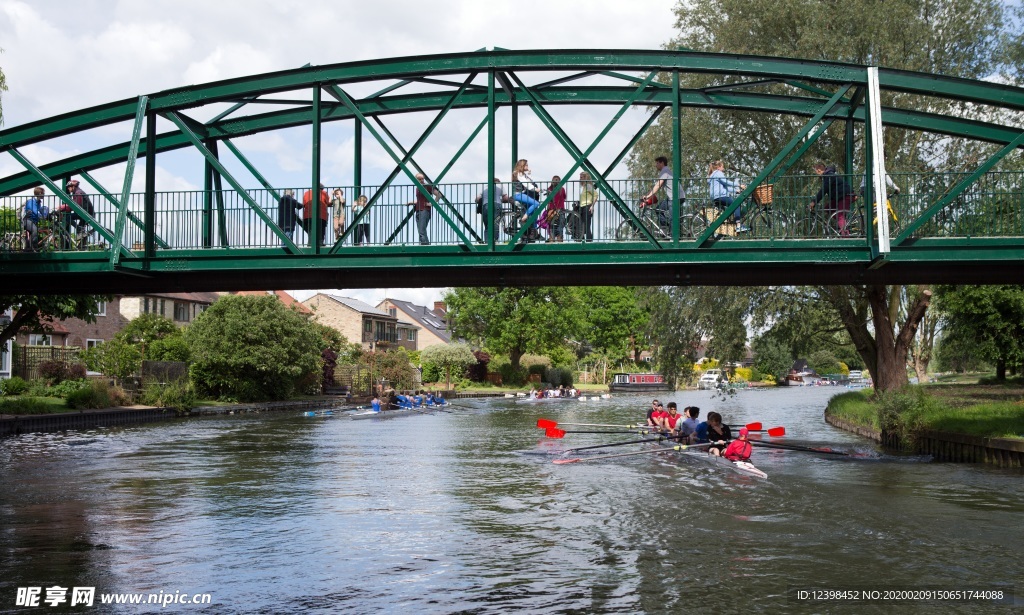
(640, 431)
(794, 447)
(587, 448)
(546, 423)
(679, 447)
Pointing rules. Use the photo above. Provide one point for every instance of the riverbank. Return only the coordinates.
(970, 423)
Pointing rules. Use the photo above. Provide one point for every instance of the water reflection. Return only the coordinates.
(284, 513)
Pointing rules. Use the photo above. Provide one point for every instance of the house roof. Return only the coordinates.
(428, 319)
(54, 325)
(359, 306)
(284, 297)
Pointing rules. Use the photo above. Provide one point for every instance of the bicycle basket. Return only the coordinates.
(764, 194)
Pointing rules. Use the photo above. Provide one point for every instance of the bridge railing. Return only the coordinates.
(991, 206)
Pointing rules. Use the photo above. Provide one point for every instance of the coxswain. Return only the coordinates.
(718, 433)
(739, 449)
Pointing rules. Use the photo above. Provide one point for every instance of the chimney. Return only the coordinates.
(440, 308)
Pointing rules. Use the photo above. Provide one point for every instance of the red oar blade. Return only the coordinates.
(546, 424)
(754, 426)
(776, 432)
(554, 432)
(561, 461)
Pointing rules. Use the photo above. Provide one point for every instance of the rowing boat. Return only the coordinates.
(742, 467)
(395, 412)
(544, 400)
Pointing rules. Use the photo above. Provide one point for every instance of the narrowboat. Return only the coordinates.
(638, 383)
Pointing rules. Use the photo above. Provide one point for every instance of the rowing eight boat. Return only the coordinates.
(395, 412)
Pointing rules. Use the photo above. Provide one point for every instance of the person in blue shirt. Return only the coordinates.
(375, 404)
(722, 191)
(32, 214)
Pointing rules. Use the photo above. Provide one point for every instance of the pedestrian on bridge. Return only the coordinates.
(338, 203)
(588, 197)
(839, 193)
(287, 213)
(423, 207)
(307, 212)
(363, 228)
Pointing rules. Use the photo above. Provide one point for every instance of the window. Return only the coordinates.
(101, 308)
(181, 312)
(412, 335)
(39, 339)
(163, 307)
(382, 330)
(401, 334)
(392, 311)
(93, 343)
(145, 305)
(367, 326)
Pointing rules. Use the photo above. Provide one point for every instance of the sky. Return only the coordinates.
(60, 56)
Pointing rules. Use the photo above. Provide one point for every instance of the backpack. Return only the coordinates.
(87, 205)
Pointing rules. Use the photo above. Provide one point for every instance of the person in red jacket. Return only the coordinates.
(739, 449)
(307, 213)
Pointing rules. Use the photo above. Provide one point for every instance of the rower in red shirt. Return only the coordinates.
(739, 449)
(672, 421)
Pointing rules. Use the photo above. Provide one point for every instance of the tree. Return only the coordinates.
(772, 357)
(449, 357)
(118, 359)
(515, 320)
(989, 319)
(956, 37)
(617, 324)
(3, 88)
(252, 348)
(37, 312)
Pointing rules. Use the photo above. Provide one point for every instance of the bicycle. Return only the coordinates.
(13, 242)
(822, 221)
(762, 220)
(690, 225)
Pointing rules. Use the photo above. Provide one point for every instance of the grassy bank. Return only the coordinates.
(22, 405)
(992, 411)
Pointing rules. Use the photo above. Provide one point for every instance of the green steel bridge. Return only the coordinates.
(966, 226)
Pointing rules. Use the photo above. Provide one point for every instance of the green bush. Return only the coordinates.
(96, 395)
(13, 386)
(537, 368)
(24, 405)
(513, 377)
(180, 396)
(431, 372)
(558, 376)
(903, 413)
(66, 388)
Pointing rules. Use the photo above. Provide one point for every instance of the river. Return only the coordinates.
(456, 513)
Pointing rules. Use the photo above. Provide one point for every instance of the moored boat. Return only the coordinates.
(638, 383)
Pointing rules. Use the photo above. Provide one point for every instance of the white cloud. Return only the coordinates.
(59, 58)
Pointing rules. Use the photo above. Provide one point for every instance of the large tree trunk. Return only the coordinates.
(891, 348)
(514, 356)
(1001, 369)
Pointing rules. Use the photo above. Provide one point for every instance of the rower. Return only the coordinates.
(740, 449)
(688, 429)
(650, 414)
(672, 420)
(375, 404)
(717, 433)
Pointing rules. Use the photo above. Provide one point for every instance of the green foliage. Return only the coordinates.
(772, 357)
(55, 371)
(13, 386)
(180, 396)
(824, 362)
(65, 389)
(25, 405)
(902, 413)
(432, 372)
(171, 348)
(855, 407)
(117, 358)
(985, 321)
(449, 358)
(558, 376)
(956, 354)
(330, 337)
(98, 394)
(9, 222)
(146, 329)
(618, 324)
(394, 366)
(252, 348)
(515, 320)
(38, 312)
(513, 376)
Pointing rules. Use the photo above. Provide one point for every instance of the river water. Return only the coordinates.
(456, 512)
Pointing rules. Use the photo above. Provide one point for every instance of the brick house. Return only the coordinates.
(433, 323)
(362, 323)
(112, 316)
(288, 300)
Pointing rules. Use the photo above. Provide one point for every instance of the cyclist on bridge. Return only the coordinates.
(664, 182)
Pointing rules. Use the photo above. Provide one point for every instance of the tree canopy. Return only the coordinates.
(448, 358)
(616, 325)
(988, 320)
(249, 347)
(515, 320)
(37, 312)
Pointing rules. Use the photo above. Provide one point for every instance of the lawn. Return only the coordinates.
(23, 405)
